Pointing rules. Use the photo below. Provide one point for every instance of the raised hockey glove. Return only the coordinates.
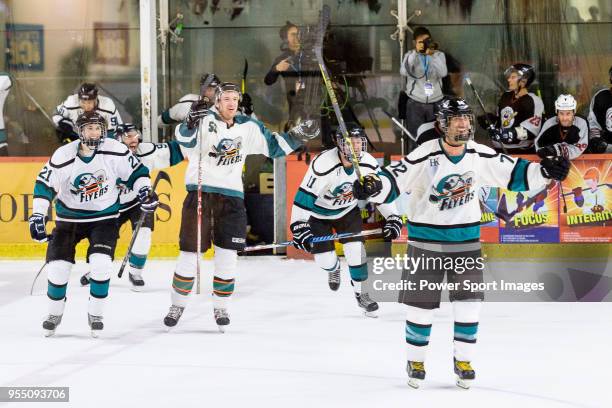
(65, 132)
(305, 130)
(556, 168)
(597, 145)
(578, 197)
(302, 234)
(198, 110)
(246, 104)
(550, 151)
(370, 185)
(148, 200)
(37, 227)
(392, 228)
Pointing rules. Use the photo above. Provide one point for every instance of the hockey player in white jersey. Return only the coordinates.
(444, 177)
(154, 156)
(86, 99)
(600, 119)
(565, 134)
(82, 178)
(223, 139)
(324, 201)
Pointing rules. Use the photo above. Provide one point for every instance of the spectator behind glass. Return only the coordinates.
(288, 65)
(424, 67)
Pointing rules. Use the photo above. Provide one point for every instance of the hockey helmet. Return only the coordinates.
(354, 132)
(525, 71)
(91, 118)
(127, 128)
(88, 92)
(455, 107)
(226, 87)
(565, 102)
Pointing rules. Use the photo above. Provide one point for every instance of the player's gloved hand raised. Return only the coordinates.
(65, 131)
(246, 104)
(556, 168)
(367, 187)
(302, 234)
(305, 130)
(578, 197)
(597, 145)
(550, 151)
(148, 200)
(198, 110)
(37, 227)
(393, 227)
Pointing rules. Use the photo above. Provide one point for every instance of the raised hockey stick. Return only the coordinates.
(314, 240)
(162, 175)
(487, 121)
(323, 23)
(400, 126)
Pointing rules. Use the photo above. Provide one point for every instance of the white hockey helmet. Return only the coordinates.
(565, 102)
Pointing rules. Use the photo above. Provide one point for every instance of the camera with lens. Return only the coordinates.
(429, 44)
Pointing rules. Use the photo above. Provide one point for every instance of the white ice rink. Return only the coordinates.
(291, 343)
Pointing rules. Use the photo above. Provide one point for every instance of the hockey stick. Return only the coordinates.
(36, 277)
(244, 76)
(162, 175)
(400, 126)
(324, 22)
(487, 121)
(314, 240)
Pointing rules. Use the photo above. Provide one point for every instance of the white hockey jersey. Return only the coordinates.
(326, 192)
(153, 156)
(443, 204)
(573, 144)
(71, 110)
(178, 112)
(224, 149)
(87, 189)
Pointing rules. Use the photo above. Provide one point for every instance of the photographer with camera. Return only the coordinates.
(424, 67)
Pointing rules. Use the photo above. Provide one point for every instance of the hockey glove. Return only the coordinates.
(370, 185)
(37, 227)
(578, 197)
(305, 130)
(302, 234)
(246, 104)
(550, 151)
(597, 145)
(65, 132)
(556, 168)
(148, 200)
(392, 228)
(198, 110)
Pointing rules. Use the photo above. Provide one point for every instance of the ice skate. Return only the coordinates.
(85, 279)
(333, 279)
(222, 318)
(136, 281)
(95, 324)
(50, 324)
(173, 316)
(465, 374)
(368, 305)
(416, 373)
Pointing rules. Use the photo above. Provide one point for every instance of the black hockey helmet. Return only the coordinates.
(88, 92)
(214, 82)
(227, 87)
(91, 118)
(126, 128)
(354, 132)
(455, 107)
(525, 71)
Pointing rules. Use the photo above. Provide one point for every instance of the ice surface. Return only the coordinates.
(292, 343)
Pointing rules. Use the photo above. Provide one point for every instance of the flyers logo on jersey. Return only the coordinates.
(90, 186)
(341, 195)
(507, 117)
(227, 151)
(453, 190)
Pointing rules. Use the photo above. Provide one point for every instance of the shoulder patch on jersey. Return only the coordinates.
(327, 161)
(428, 149)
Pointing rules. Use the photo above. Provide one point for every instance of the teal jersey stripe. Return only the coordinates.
(64, 212)
(394, 192)
(165, 116)
(176, 156)
(219, 190)
(3, 137)
(141, 171)
(304, 199)
(188, 134)
(274, 149)
(518, 180)
(42, 190)
(432, 233)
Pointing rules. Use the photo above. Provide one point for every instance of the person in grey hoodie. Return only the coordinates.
(425, 66)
